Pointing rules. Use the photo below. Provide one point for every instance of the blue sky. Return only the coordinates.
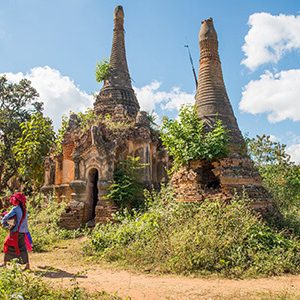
(57, 43)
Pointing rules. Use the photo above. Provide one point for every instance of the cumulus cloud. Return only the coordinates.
(294, 152)
(269, 38)
(150, 95)
(276, 94)
(59, 93)
(146, 95)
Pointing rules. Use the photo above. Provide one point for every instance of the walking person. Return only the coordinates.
(15, 242)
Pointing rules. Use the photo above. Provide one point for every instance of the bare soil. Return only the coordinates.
(65, 262)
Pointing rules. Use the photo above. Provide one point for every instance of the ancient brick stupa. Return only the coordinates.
(235, 173)
(84, 170)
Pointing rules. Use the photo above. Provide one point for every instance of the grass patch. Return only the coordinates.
(15, 284)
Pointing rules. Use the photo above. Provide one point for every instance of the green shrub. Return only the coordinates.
(186, 138)
(196, 238)
(127, 191)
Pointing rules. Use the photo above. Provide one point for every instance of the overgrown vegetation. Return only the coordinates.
(102, 70)
(83, 121)
(15, 284)
(210, 237)
(127, 190)
(194, 238)
(186, 138)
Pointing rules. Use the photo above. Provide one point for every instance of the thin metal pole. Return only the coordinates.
(191, 60)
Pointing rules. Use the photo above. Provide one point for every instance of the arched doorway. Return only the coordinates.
(93, 178)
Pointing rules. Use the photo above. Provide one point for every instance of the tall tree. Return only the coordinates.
(280, 175)
(17, 102)
(32, 147)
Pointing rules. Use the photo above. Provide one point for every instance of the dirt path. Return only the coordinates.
(60, 265)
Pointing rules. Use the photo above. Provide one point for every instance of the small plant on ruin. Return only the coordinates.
(186, 138)
(116, 126)
(127, 191)
(102, 70)
(85, 121)
(152, 118)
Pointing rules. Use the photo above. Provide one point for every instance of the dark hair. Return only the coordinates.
(23, 207)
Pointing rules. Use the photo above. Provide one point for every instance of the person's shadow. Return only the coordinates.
(51, 272)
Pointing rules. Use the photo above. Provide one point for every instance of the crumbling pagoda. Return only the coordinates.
(85, 168)
(236, 173)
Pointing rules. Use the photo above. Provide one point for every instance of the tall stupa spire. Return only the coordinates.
(119, 69)
(211, 97)
(117, 89)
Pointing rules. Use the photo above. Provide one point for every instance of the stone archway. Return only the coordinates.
(92, 193)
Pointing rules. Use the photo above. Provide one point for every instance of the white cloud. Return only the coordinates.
(146, 95)
(149, 96)
(294, 152)
(269, 38)
(275, 94)
(59, 93)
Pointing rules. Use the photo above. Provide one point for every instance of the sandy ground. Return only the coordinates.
(64, 262)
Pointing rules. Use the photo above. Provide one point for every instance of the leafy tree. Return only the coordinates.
(186, 138)
(280, 175)
(102, 70)
(264, 151)
(127, 191)
(17, 102)
(31, 148)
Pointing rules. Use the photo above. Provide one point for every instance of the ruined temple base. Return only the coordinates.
(221, 180)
